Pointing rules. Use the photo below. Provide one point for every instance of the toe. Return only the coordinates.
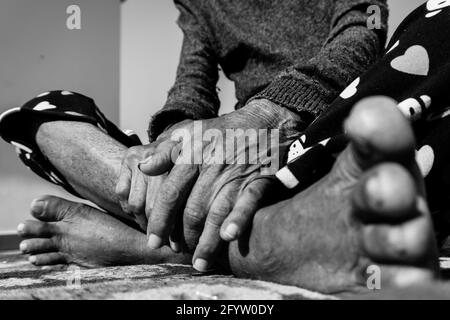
(378, 133)
(406, 276)
(51, 208)
(47, 259)
(35, 229)
(410, 243)
(386, 194)
(37, 245)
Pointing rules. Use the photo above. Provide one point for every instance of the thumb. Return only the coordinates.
(162, 160)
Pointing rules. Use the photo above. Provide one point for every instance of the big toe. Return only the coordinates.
(378, 132)
(51, 208)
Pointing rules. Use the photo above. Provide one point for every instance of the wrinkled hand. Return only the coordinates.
(136, 191)
(206, 199)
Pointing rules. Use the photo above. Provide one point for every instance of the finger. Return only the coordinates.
(138, 194)
(196, 209)
(175, 238)
(123, 187)
(248, 202)
(136, 201)
(210, 242)
(154, 184)
(162, 160)
(170, 199)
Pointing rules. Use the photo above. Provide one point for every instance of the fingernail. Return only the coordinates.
(37, 206)
(23, 246)
(154, 242)
(145, 161)
(201, 265)
(20, 227)
(175, 246)
(231, 231)
(32, 259)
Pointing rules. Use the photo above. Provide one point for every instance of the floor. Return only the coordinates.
(21, 280)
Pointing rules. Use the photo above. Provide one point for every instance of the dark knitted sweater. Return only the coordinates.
(299, 54)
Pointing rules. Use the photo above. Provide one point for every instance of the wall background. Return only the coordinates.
(151, 43)
(37, 53)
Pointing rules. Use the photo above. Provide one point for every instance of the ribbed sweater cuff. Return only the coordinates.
(175, 113)
(296, 95)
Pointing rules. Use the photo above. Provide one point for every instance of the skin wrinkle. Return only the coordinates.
(286, 236)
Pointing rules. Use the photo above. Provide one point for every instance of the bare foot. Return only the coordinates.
(68, 232)
(370, 210)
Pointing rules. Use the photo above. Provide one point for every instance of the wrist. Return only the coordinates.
(274, 116)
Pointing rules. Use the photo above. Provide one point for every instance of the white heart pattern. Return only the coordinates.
(351, 90)
(415, 61)
(425, 159)
(44, 105)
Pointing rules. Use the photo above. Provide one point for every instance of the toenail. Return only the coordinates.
(373, 186)
(23, 246)
(20, 227)
(154, 241)
(201, 265)
(32, 259)
(37, 206)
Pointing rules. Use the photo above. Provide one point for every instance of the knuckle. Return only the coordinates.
(254, 192)
(121, 190)
(69, 209)
(215, 218)
(135, 207)
(193, 216)
(170, 192)
(205, 250)
(124, 206)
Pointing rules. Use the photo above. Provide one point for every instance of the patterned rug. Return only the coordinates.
(21, 280)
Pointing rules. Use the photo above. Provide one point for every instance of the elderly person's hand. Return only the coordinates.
(214, 187)
(135, 190)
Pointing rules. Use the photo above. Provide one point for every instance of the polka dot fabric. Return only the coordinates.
(415, 72)
(18, 126)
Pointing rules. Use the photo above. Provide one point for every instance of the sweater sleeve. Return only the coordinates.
(194, 94)
(349, 50)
